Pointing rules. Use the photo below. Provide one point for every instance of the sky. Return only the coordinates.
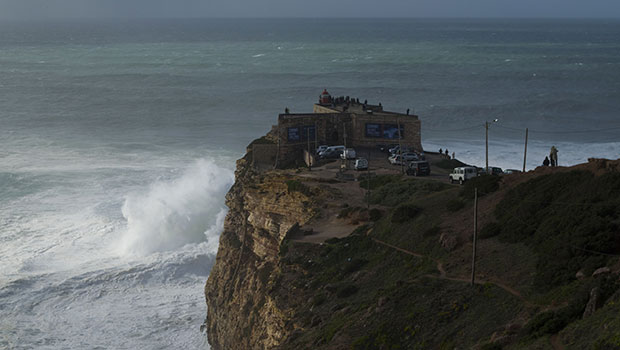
(58, 9)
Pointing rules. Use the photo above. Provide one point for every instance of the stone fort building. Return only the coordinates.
(338, 121)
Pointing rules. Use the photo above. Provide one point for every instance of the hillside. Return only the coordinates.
(304, 264)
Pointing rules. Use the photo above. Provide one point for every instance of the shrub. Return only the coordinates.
(455, 205)
(485, 184)
(433, 231)
(375, 214)
(378, 181)
(405, 212)
(565, 218)
(402, 191)
(297, 186)
(346, 291)
(354, 265)
(491, 229)
(319, 299)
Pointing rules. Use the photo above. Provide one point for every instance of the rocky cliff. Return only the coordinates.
(263, 207)
(547, 273)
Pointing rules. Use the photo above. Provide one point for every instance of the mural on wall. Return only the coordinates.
(301, 133)
(385, 131)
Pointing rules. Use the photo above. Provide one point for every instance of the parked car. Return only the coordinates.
(387, 148)
(332, 150)
(394, 159)
(361, 164)
(495, 170)
(410, 156)
(398, 149)
(321, 148)
(331, 154)
(511, 171)
(462, 174)
(418, 168)
(349, 153)
(397, 159)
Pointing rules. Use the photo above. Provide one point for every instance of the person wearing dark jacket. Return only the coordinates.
(546, 161)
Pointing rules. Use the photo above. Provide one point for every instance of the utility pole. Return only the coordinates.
(368, 183)
(486, 142)
(275, 165)
(309, 155)
(400, 148)
(486, 127)
(525, 152)
(316, 136)
(473, 258)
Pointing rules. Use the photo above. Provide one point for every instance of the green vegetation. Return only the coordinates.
(455, 205)
(404, 213)
(601, 331)
(298, 186)
(485, 184)
(378, 181)
(570, 219)
(375, 214)
(391, 191)
(369, 296)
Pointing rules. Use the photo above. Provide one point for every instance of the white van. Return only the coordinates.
(463, 174)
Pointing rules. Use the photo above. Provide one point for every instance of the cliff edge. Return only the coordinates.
(308, 261)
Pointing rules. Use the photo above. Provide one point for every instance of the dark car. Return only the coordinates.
(331, 154)
(418, 168)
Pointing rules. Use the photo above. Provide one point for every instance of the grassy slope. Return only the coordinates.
(355, 293)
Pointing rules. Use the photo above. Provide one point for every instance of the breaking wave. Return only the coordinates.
(178, 212)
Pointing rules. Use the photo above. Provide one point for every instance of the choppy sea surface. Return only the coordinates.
(119, 140)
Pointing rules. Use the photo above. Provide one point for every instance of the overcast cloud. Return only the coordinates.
(25, 9)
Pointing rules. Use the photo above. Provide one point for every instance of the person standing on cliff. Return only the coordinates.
(554, 156)
(546, 161)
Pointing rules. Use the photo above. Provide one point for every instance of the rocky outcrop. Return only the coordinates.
(241, 313)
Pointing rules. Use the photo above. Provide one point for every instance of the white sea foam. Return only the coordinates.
(509, 154)
(172, 214)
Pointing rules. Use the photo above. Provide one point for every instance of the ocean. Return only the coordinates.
(119, 141)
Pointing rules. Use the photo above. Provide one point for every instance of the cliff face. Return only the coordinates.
(242, 314)
(384, 278)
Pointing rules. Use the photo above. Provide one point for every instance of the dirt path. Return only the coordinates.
(555, 342)
(443, 276)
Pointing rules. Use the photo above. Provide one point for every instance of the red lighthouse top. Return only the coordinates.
(325, 98)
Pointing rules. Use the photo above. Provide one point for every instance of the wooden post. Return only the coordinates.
(473, 258)
(525, 152)
(486, 142)
(275, 165)
(400, 148)
(316, 137)
(309, 155)
(368, 182)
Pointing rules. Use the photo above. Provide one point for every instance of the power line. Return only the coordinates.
(452, 130)
(559, 132)
(531, 130)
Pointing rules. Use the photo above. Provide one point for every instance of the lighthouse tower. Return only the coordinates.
(325, 98)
